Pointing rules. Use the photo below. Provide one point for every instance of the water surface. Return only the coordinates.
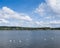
(29, 38)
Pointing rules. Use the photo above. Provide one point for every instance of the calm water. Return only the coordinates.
(30, 39)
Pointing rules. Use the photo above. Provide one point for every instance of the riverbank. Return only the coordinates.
(27, 28)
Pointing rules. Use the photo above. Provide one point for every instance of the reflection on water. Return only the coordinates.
(29, 39)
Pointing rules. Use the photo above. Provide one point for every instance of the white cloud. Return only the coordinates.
(49, 6)
(10, 13)
(39, 23)
(50, 12)
(7, 10)
(43, 24)
(4, 21)
(55, 22)
(54, 4)
(7, 14)
(26, 18)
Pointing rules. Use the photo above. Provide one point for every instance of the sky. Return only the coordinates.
(30, 13)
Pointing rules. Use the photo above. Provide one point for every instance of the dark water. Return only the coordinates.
(30, 39)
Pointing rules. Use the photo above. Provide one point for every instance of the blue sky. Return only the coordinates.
(21, 5)
(30, 13)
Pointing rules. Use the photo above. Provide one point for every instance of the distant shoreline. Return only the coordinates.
(27, 28)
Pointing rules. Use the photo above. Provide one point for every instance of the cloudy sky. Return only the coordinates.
(30, 13)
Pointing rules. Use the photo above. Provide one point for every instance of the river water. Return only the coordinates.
(29, 38)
